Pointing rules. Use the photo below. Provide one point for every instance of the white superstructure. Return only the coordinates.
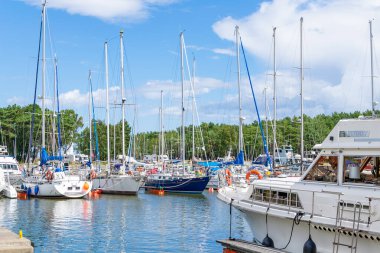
(10, 166)
(338, 196)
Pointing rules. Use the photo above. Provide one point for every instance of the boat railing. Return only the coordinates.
(288, 199)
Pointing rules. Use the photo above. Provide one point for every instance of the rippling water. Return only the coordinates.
(143, 223)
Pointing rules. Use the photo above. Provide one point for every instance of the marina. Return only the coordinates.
(117, 134)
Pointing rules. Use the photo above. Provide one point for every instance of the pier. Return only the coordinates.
(241, 246)
(14, 243)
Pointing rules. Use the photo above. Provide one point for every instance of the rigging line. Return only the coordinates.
(130, 75)
(35, 95)
(195, 103)
(257, 111)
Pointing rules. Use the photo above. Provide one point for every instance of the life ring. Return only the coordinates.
(49, 175)
(253, 172)
(228, 177)
(92, 174)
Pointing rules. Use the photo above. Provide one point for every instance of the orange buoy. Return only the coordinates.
(228, 177)
(85, 186)
(211, 189)
(22, 195)
(98, 191)
(253, 172)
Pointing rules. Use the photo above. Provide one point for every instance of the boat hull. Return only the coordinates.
(279, 229)
(68, 187)
(118, 184)
(181, 185)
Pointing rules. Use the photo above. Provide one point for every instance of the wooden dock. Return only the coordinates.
(241, 246)
(12, 243)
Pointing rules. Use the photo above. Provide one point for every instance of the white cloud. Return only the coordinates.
(109, 10)
(74, 98)
(225, 51)
(336, 51)
(16, 100)
(203, 85)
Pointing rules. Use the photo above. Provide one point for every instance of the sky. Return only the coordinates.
(336, 56)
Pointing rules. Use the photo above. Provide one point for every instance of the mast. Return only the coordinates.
(123, 99)
(266, 112)
(54, 97)
(370, 40)
(239, 90)
(107, 107)
(274, 98)
(301, 79)
(161, 142)
(43, 73)
(89, 113)
(193, 108)
(182, 107)
(114, 130)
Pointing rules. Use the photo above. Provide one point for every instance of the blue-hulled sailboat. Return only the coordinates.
(178, 179)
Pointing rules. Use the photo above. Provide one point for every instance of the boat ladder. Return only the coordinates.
(339, 229)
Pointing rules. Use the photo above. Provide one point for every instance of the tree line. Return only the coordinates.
(218, 139)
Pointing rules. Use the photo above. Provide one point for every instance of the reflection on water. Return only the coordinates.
(143, 223)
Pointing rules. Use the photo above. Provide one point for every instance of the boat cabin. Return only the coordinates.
(350, 155)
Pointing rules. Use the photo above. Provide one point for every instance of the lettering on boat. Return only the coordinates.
(353, 133)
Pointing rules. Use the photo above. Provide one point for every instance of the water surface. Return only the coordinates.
(111, 223)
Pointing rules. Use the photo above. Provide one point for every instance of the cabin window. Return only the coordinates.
(324, 170)
(362, 169)
(1, 166)
(276, 197)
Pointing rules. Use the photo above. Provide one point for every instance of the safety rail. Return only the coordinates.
(290, 200)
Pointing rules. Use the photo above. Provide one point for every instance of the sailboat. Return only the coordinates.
(178, 180)
(117, 182)
(48, 180)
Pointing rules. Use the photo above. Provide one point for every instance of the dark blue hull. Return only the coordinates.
(179, 185)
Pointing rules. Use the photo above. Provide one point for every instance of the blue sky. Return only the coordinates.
(336, 54)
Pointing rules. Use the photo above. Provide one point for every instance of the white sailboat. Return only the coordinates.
(48, 181)
(118, 182)
(332, 207)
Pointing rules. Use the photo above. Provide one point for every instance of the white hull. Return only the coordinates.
(10, 192)
(323, 236)
(118, 184)
(65, 187)
(279, 227)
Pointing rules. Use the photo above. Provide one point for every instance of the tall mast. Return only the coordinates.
(301, 79)
(370, 40)
(114, 131)
(123, 99)
(54, 97)
(90, 113)
(266, 113)
(182, 107)
(43, 71)
(274, 98)
(193, 108)
(161, 142)
(239, 90)
(107, 107)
